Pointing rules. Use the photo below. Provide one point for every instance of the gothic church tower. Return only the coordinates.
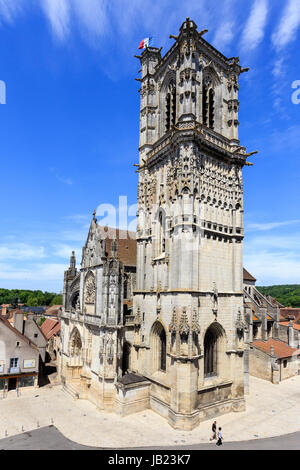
(189, 294)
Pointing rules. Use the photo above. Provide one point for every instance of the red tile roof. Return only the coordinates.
(50, 327)
(281, 349)
(54, 310)
(295, 325)
(127, 244)
(290, 311)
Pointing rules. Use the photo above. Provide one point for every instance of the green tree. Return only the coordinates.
(57, 300)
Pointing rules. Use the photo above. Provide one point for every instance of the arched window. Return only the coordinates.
(204, 105)
(126, 358)
(163, 350)
(158, 347)
(161, 237)
(75, 299)
(211, 106)
(168, 111)
(125, 293)
(75, 344)
(212, 342)
(208, 105)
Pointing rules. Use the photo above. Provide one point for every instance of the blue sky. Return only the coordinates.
(69, 128)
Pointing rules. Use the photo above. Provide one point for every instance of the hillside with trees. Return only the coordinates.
(287, 295)
(31, 298)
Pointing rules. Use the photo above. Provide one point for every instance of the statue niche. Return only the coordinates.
(90, 293)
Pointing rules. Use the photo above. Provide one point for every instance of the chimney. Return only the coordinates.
(291, 334)
(19, 321)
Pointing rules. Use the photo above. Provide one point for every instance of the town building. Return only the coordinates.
(26, 325)
(19, 359)
(51, 330)
(272, 351)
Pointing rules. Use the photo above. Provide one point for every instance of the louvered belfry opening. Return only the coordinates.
(170, 107)
(208, 106)
(204, 105)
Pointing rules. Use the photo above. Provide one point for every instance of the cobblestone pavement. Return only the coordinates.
(272, 410)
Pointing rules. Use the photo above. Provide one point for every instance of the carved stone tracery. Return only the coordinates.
(90, 289)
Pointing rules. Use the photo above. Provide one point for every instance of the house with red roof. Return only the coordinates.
(51, 330)
(272, 346)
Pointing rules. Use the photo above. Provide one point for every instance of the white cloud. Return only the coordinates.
(20, 251)
(65, 251)
(274, 242)
(273, 267)
(224, 35)
(273, 259)
(287, 28)
(71, 235)
(63, 180)
(278, 68)
(79, 218)
(58, 13)
(271, 225)
(255, 27)
(45, 271)
(92, 15)
(10, 9)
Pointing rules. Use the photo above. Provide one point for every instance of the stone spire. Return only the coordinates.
(71, 272)
(73, 260)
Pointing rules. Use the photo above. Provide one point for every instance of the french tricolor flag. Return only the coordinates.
(145, 43)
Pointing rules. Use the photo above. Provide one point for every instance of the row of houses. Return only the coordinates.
(25, 348)
(273, 335)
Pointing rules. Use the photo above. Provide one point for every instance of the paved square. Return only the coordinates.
(272, 410)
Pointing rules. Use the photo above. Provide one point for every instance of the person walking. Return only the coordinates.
(220, 437)
(214, 431)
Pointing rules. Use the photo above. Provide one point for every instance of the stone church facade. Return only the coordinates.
(180, 350)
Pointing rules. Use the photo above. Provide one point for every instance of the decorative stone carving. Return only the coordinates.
(195, 322)
(173, 323)
(90, 289)
(184, 327)
(138, 319)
